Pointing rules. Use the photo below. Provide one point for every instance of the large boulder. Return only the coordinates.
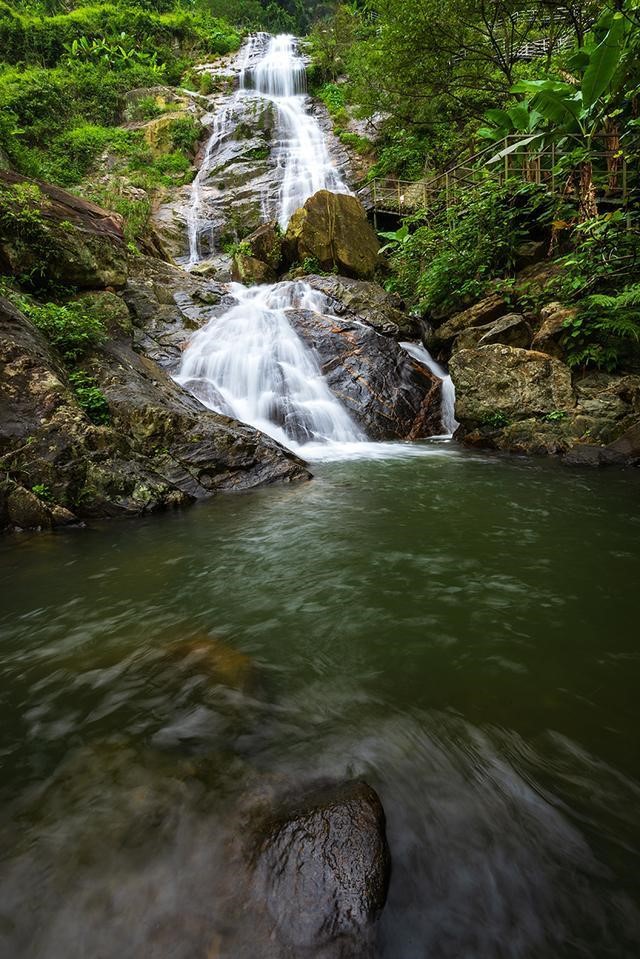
(499, 384)
(388, 393)
(161, 447)
(57, 237)
(321, 868)
(481, 314)
(332, 229)
(367, 302)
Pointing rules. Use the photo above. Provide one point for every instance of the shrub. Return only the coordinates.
(72, 328)
(90, 397)
(449, 262)
(601, 277)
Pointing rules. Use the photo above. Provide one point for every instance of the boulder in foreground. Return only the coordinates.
(322, 870)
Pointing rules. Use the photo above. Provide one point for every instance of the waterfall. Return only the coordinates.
(251, 364)
(448, 408)
(222, 126)
(300, 151)
(271, 69)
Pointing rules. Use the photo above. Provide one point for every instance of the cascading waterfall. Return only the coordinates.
(448, 409)
(301, 150)
(222, 124)
(250, 364)
(272, 70)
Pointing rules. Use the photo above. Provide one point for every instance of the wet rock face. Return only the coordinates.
(239, 183)
(73, 242)
(322, 870)
(383, 388)
(333, 230)
(367, 302)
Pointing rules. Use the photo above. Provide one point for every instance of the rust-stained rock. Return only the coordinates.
(58, 236)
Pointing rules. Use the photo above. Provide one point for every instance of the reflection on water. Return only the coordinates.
(460, 631)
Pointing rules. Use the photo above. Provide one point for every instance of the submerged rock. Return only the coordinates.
(382, 387)
(332, 229)
(321, 868)
(58, 236)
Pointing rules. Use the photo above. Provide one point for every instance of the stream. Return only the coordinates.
(458, 629)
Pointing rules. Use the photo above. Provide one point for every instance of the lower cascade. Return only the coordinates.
(251, 364)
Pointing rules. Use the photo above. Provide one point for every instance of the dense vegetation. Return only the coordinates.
(442, 81)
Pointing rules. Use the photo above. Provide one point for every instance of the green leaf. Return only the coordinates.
(520, 116)
(603, 64)
(500, 119)
(561, 110)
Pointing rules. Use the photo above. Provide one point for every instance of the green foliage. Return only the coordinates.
(496, 420)
(43, 492)
(601, 276)
(90, 397)
(449, 262)
(117, 54)
(185, 134)
(240, 248)
(72, 328)
(21, 206)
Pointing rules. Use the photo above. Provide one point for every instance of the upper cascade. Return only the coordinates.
(281, 72)
(271, 70)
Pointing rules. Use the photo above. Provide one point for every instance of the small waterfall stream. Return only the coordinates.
(250, 363)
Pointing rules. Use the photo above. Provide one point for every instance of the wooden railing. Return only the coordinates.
(518, 157)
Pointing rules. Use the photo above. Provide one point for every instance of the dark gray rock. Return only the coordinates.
(383, 388)
(321, 868)
(367, 302)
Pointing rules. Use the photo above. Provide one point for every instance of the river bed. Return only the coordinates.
(458, 629)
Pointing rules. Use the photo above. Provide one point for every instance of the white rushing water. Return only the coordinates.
(301, 150)
(448, 410)
(250, 363)
(271, 69)
(222, 125)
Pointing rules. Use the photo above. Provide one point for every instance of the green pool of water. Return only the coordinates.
(461, 631)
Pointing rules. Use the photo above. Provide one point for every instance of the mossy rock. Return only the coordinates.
(333, 230)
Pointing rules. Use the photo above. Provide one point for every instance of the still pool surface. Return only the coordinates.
(460, 630)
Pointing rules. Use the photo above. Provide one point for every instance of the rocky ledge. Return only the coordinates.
(160, 449)
(516, 393)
